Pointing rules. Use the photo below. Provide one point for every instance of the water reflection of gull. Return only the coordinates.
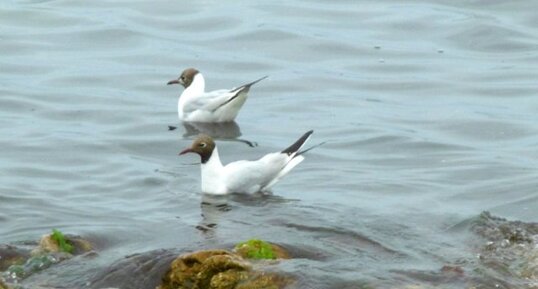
(215, 206)
(227, 131)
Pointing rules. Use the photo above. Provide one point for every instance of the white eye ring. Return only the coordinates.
(202, 145)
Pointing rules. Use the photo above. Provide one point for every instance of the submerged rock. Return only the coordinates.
(2, 284)
(510, 248)
(219, 269)
(505, 232)
(503, 254)
(138, 271)
(11, 255)
(34, 264)
(18, 264)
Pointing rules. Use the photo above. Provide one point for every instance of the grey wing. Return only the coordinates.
(244, 174)
(209, 101)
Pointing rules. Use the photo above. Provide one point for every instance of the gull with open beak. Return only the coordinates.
(197, 105)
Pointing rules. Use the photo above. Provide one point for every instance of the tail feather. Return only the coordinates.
(294, 148)
(285, 170)
(294, 157)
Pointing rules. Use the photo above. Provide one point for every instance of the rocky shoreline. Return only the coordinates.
(504, 254)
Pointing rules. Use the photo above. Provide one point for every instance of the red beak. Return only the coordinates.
(175, 81)
(187, 150)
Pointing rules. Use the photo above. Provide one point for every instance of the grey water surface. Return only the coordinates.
(429, 110)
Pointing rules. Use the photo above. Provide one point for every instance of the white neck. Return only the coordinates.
(212, 175)
(196, 88)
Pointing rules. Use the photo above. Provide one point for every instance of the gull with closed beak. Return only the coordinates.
(244, 176)
(197, 105)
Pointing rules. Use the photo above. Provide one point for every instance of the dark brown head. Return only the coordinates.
(185, 78)
(203, 145)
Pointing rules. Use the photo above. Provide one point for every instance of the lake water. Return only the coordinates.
(429, 111)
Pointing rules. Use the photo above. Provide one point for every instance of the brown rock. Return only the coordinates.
(280, 252)
(81, 245)
(453, 270)
(11, 255)
(193, 270)
(265, 280)
(218, 269)
(3, 285)
(49, 245)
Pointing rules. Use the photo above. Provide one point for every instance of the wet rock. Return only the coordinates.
(265, 280)
(529, 266)
(258, 249)
(510, 248)
(199, 268)
(16, 273)
(504, 256)
(218, 269)
(11, 255)
(80, 245)
(138, 271)
(453, 270)
(501, 230)
(19, 264)
(48, 245)
(2, 284)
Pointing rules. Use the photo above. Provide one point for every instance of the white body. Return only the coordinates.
(196, 105)
(246, 176)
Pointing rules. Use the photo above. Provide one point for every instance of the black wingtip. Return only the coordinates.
(238, 91)
(311, 148)
(248, 85)
(256, 81)
(298, 144)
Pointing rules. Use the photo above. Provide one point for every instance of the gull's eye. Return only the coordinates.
(183, 78)
(202, 145)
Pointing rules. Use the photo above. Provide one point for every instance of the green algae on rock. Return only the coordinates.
(255, 249)
(71, 244)
(19, 264)
(218, 269)
(63, 244)
(258, 249)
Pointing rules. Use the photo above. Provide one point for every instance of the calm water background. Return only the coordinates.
(429, 109)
